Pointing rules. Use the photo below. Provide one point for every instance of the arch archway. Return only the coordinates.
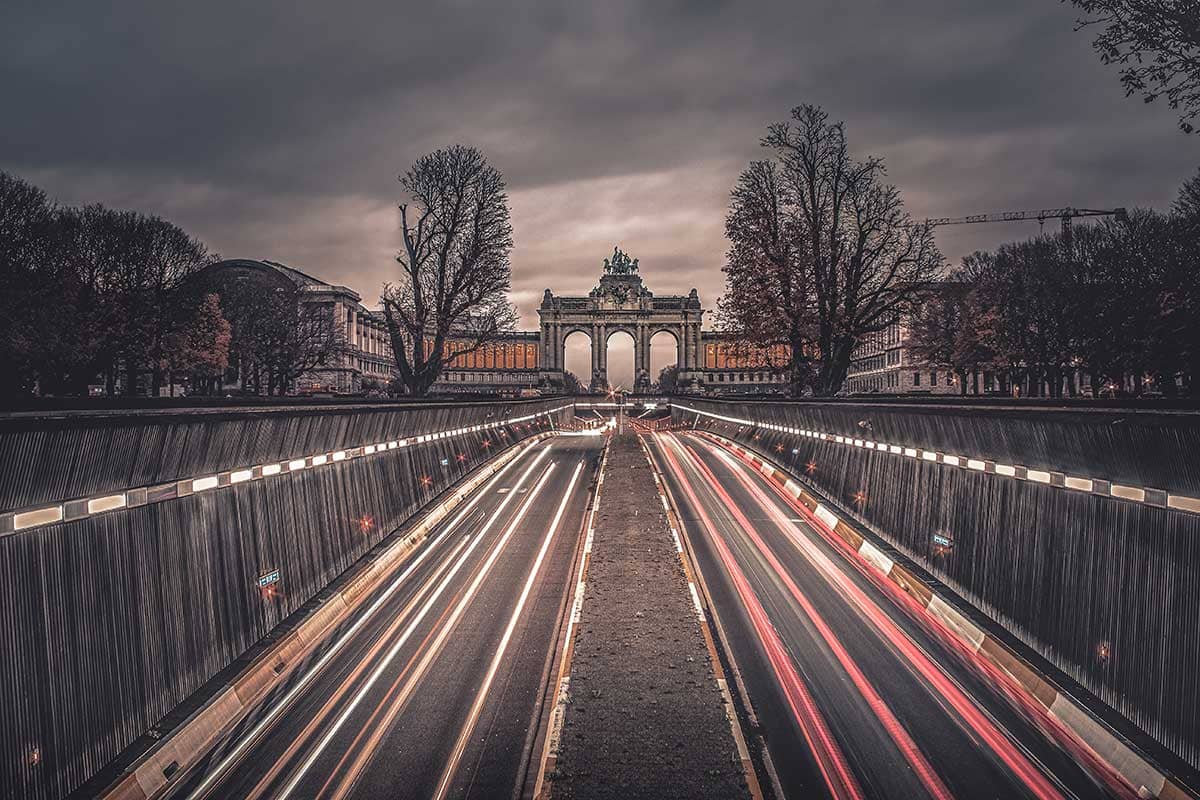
(577, 357)
(619, 359)
(665, 351)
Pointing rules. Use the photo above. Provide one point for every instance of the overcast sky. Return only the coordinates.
(278, 129)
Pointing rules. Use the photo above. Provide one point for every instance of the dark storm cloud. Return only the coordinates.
(277, 129)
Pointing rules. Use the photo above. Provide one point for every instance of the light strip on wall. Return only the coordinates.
(14, 521)
(110, 503)
(1097, 486)
(205, 483)
(38, 516)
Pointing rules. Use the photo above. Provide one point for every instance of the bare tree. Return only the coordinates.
(571, 384)
(1183, 294)
(951, 329)
(129, 267)
(668, 380)
(275, 337)
(299, 338)
(451, 297)
(200, 346)
(826, 228)
(767, 274)
(87, 291)
(1156, 43)
(170, 256)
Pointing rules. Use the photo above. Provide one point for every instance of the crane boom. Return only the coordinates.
(1065, 214)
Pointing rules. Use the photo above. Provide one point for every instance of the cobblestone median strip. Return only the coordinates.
(645, 713)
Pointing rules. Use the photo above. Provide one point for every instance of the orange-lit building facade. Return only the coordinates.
(510, 364)
(732, 364)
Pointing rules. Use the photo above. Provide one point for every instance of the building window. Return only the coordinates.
(916, 379)
(933, 377)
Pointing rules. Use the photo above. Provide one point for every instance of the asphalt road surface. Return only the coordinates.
(857, 695)
(434, 688)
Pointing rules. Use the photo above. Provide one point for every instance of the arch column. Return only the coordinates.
(602, 351)
(641, 361)
(594, 366)
(639, 337)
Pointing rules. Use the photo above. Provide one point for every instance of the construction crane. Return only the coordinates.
(1065, 214)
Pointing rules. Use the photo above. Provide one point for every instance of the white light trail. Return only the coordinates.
(286, 700)
(481, 696)
(386, 661)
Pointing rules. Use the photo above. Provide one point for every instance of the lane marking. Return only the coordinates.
(696, 601)
(700, 595)
(406, 635)
(481, 695)
(431, 648)
(202, 788)
(829, 758)
(541, 787)
(1001, 666)
(338, 695)
(900, 736)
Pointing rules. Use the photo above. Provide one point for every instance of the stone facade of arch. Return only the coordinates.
(621, 302)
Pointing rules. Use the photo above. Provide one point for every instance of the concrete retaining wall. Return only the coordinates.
(112, 616)
(1078, 531)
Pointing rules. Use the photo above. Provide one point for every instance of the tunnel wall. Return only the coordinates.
(1069, 572)
(108, 622)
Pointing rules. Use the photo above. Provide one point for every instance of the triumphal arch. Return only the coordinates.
(621, 303)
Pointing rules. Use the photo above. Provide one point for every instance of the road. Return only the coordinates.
(858, 695)
(435, 687)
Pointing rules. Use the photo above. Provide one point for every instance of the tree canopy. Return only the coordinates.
(89, 292)
(1156, 44)
(1117, 302)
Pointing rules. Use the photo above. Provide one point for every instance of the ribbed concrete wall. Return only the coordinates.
(109, 621)
(1106, 588)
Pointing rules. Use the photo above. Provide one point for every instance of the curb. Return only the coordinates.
(1108, 746)
(173, 756)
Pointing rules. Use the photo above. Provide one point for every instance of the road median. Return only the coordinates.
(645, 714)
